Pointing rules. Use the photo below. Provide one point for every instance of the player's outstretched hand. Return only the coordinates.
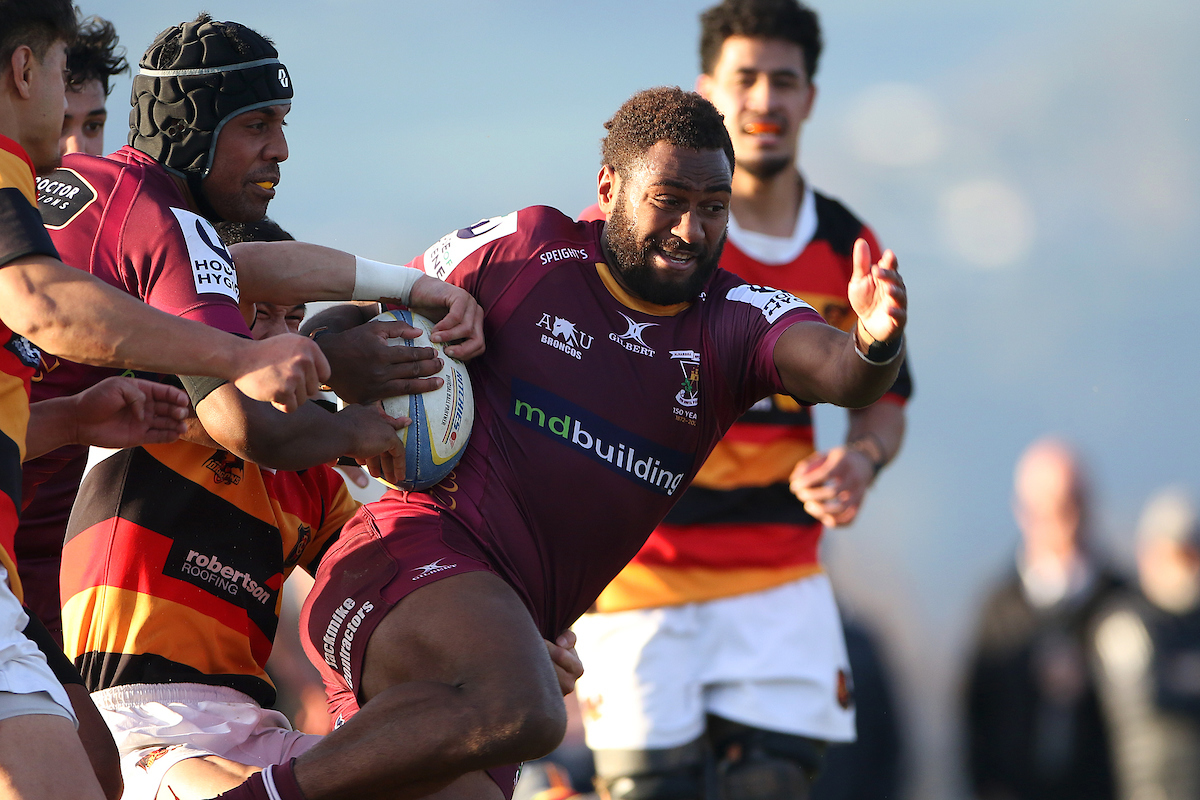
(877, 294)
(567, 665)
(283, 370)
(832, 485)
(365, 368)
(125, 412)
(458, 316)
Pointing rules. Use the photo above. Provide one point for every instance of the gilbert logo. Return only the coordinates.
(631, 339)
(429, 569)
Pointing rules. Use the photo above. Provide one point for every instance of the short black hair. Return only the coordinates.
(265, 230)
(663, 114)
(95, 55)
(788, 20)
(36, 24)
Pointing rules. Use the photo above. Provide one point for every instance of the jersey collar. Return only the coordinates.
(629, 301)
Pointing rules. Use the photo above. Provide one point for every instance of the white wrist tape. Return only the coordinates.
(374, 280)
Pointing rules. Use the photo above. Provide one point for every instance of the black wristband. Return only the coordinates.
(878, 353)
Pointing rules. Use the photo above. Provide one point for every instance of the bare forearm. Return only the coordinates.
(52, 424)
(71, 314)
(259, 433)
(289, 273)
(820, 364)
(878, 429)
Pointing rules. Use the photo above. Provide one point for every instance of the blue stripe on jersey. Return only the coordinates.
(645, 463)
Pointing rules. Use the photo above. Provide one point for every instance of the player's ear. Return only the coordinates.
(19, 65)
(704, 83)
(606, 189)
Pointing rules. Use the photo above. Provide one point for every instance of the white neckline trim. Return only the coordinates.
(776, 250)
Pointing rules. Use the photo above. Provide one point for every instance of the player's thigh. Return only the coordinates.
(641, 689)
(41, 758)
(202, 777)
(468, 630)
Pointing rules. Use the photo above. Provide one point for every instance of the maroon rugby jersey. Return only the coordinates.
(594, 409)
(123, 219)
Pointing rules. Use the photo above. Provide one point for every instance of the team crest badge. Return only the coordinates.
(226, 468)
(689, 362)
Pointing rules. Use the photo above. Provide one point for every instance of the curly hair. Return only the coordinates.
(95, 56)
(788, 20)
(36, 24)
(663, 114)
(265, 230)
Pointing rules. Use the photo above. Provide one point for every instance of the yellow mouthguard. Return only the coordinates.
(265, 184)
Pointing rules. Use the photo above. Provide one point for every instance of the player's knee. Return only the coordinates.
(675, 773)
(755, 764)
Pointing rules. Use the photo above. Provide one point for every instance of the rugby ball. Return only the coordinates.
(441, 419)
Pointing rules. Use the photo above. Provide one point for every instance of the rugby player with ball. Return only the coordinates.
(428, 615)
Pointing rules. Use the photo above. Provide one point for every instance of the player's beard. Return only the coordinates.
(631, 259)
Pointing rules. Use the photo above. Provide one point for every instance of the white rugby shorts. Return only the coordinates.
(157, 725)
(774, 659)
(23, 668)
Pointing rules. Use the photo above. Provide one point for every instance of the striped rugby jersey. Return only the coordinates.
(175, 558)
(738, 528)
(21, 234)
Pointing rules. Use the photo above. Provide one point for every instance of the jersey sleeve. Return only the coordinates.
(185, 270)
(21, 230)
(484, 258)
(745, 328)
(339, 506)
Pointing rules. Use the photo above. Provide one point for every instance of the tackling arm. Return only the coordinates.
(295, 272)
(258, 433)
(70, 313)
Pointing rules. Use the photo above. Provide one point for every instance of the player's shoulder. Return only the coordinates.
(837, 224)
(83, 180)
(726, 293)
(521, 235)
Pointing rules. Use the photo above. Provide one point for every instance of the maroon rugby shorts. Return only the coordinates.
(386, 552)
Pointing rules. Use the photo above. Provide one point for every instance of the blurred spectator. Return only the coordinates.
(1035, 727)
(93, 58)
(870, 767)
(1148, 651)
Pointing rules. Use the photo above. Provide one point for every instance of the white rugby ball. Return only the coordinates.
(441, 419)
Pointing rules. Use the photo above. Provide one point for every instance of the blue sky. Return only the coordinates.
(1035, 165)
